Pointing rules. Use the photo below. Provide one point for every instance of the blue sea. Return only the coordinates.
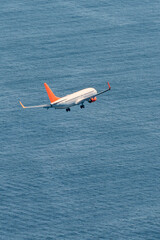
(87, 174)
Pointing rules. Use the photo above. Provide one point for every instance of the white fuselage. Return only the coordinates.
(75, 98)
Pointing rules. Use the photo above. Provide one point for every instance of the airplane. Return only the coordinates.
(77, 98)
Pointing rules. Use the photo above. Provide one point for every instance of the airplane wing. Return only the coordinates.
(109, 88)
(38, 106)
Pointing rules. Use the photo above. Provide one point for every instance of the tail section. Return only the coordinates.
(51, 95)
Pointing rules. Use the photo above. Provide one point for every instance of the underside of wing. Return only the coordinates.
(109, 88)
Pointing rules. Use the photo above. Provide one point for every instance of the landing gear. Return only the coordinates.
(68, 109)
(82, 106)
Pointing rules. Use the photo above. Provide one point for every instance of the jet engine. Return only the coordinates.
(92, 99)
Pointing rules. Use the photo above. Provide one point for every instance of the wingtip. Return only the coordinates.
(109, 85)
(22, 104)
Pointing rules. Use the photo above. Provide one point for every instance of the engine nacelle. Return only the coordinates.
(92, 99)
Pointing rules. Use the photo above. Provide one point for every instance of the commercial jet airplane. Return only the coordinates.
(77, 98)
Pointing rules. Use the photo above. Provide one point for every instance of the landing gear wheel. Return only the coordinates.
(68, 109)
(82, 106)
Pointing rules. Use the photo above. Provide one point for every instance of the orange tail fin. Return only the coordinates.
(51, 95)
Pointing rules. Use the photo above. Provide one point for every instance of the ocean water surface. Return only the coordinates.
(91, 173)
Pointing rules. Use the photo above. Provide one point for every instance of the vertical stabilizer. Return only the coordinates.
(51, 95)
